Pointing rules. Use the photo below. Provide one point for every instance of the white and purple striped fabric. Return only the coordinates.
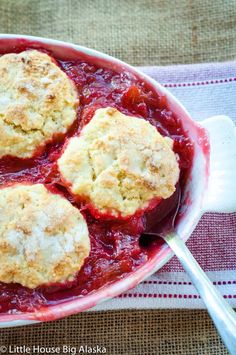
(205, 90)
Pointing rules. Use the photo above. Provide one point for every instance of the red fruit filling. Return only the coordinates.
(115, 245)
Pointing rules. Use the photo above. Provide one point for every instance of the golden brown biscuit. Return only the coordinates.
(37, 100)
(119, 163)
(43, 238)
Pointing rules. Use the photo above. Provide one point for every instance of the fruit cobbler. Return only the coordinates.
(87, 155)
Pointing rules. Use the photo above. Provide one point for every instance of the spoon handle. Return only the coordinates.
(220, 311)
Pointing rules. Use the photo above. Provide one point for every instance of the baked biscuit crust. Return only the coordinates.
(43, 238)
(119, 164)
(37, 101)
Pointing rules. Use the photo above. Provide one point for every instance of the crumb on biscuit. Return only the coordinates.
(37, 101)
(119, 163)
(43, 238)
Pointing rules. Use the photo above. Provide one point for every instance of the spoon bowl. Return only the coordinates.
(167, 223)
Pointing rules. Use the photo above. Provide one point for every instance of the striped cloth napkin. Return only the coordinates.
(205, 90)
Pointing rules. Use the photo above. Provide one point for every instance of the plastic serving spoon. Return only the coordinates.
(220, 311)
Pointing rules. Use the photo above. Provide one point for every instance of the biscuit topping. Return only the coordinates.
(37, 101)
(43, 238)
(119, 163)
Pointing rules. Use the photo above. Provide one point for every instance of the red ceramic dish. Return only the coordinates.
(117, 260)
